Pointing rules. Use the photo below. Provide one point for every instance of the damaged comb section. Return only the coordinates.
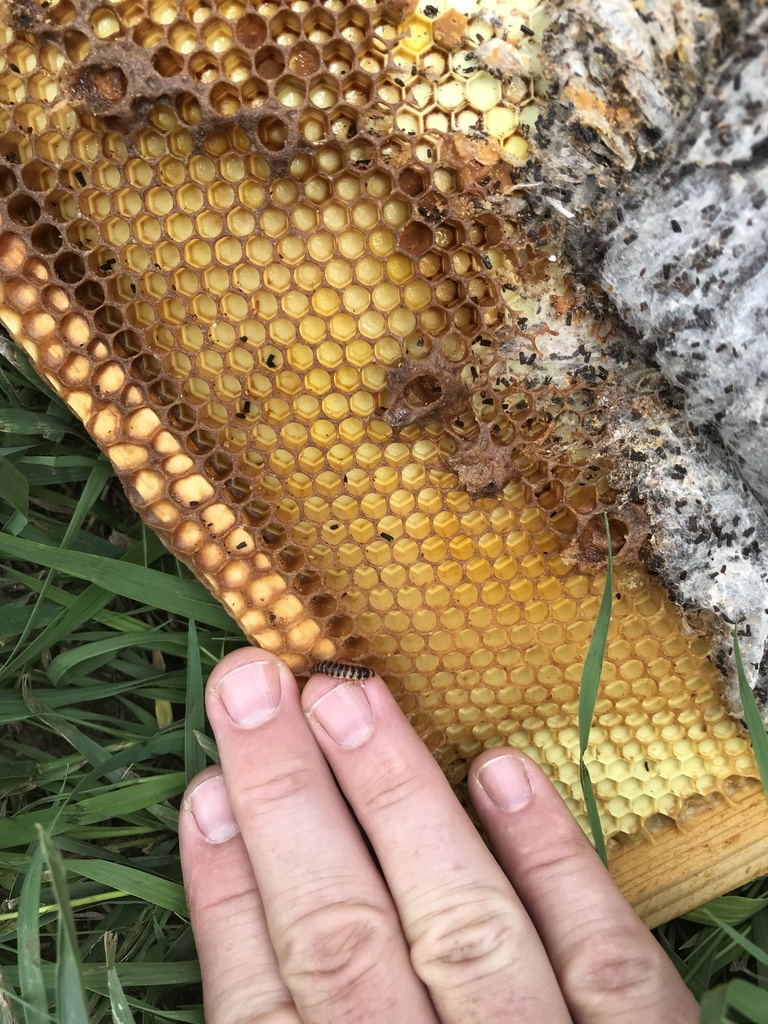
(280, 260)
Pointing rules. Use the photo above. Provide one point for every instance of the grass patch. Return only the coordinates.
(105, 641)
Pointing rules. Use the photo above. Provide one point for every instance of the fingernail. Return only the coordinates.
(345, 714)
(210, 808)
(506, 782)
(251, 692)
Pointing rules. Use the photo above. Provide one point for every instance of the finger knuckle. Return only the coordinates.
(329, 953)
(385, 792)
(231, 904)
(561, 857)
(268, 786)
(610, 965)
(469, 940)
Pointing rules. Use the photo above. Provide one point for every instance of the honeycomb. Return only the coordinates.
(268, 253)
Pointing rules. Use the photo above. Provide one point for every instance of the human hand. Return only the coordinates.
(295, 924)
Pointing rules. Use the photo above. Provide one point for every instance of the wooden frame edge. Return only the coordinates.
(707, 852)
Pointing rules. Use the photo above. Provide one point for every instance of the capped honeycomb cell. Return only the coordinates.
(262, 253)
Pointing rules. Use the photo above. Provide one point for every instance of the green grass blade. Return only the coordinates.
(92, 655)
(593, 815)
(14, 710)
(208, 747)
(714, 1006)
(752, 717)
(84, 607)
(140, 974)
(739, 995)
(761, 955)
(71, 1003)
(14, 487)
(749, 1000)
(187, 598)
(593, 663)
(23, 421)
(99, 475)
(134, 795)
(194, 714)
(760, 935)
(590, 684)
(159, 891)
(88, 747)
(7, 1016)
(34, 998)
(698, 973)
(19, 360)
(121, 1011)
(731, 909)
(122, 622)
(62, 469)
(16, 524)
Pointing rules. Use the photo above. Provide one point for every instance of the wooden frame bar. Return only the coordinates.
(711, 849)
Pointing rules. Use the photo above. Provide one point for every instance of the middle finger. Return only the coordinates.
(330, 917)
(471, 940)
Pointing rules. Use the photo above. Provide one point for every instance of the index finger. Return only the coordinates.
(329, 916)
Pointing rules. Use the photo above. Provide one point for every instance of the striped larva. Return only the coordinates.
(342, 671)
